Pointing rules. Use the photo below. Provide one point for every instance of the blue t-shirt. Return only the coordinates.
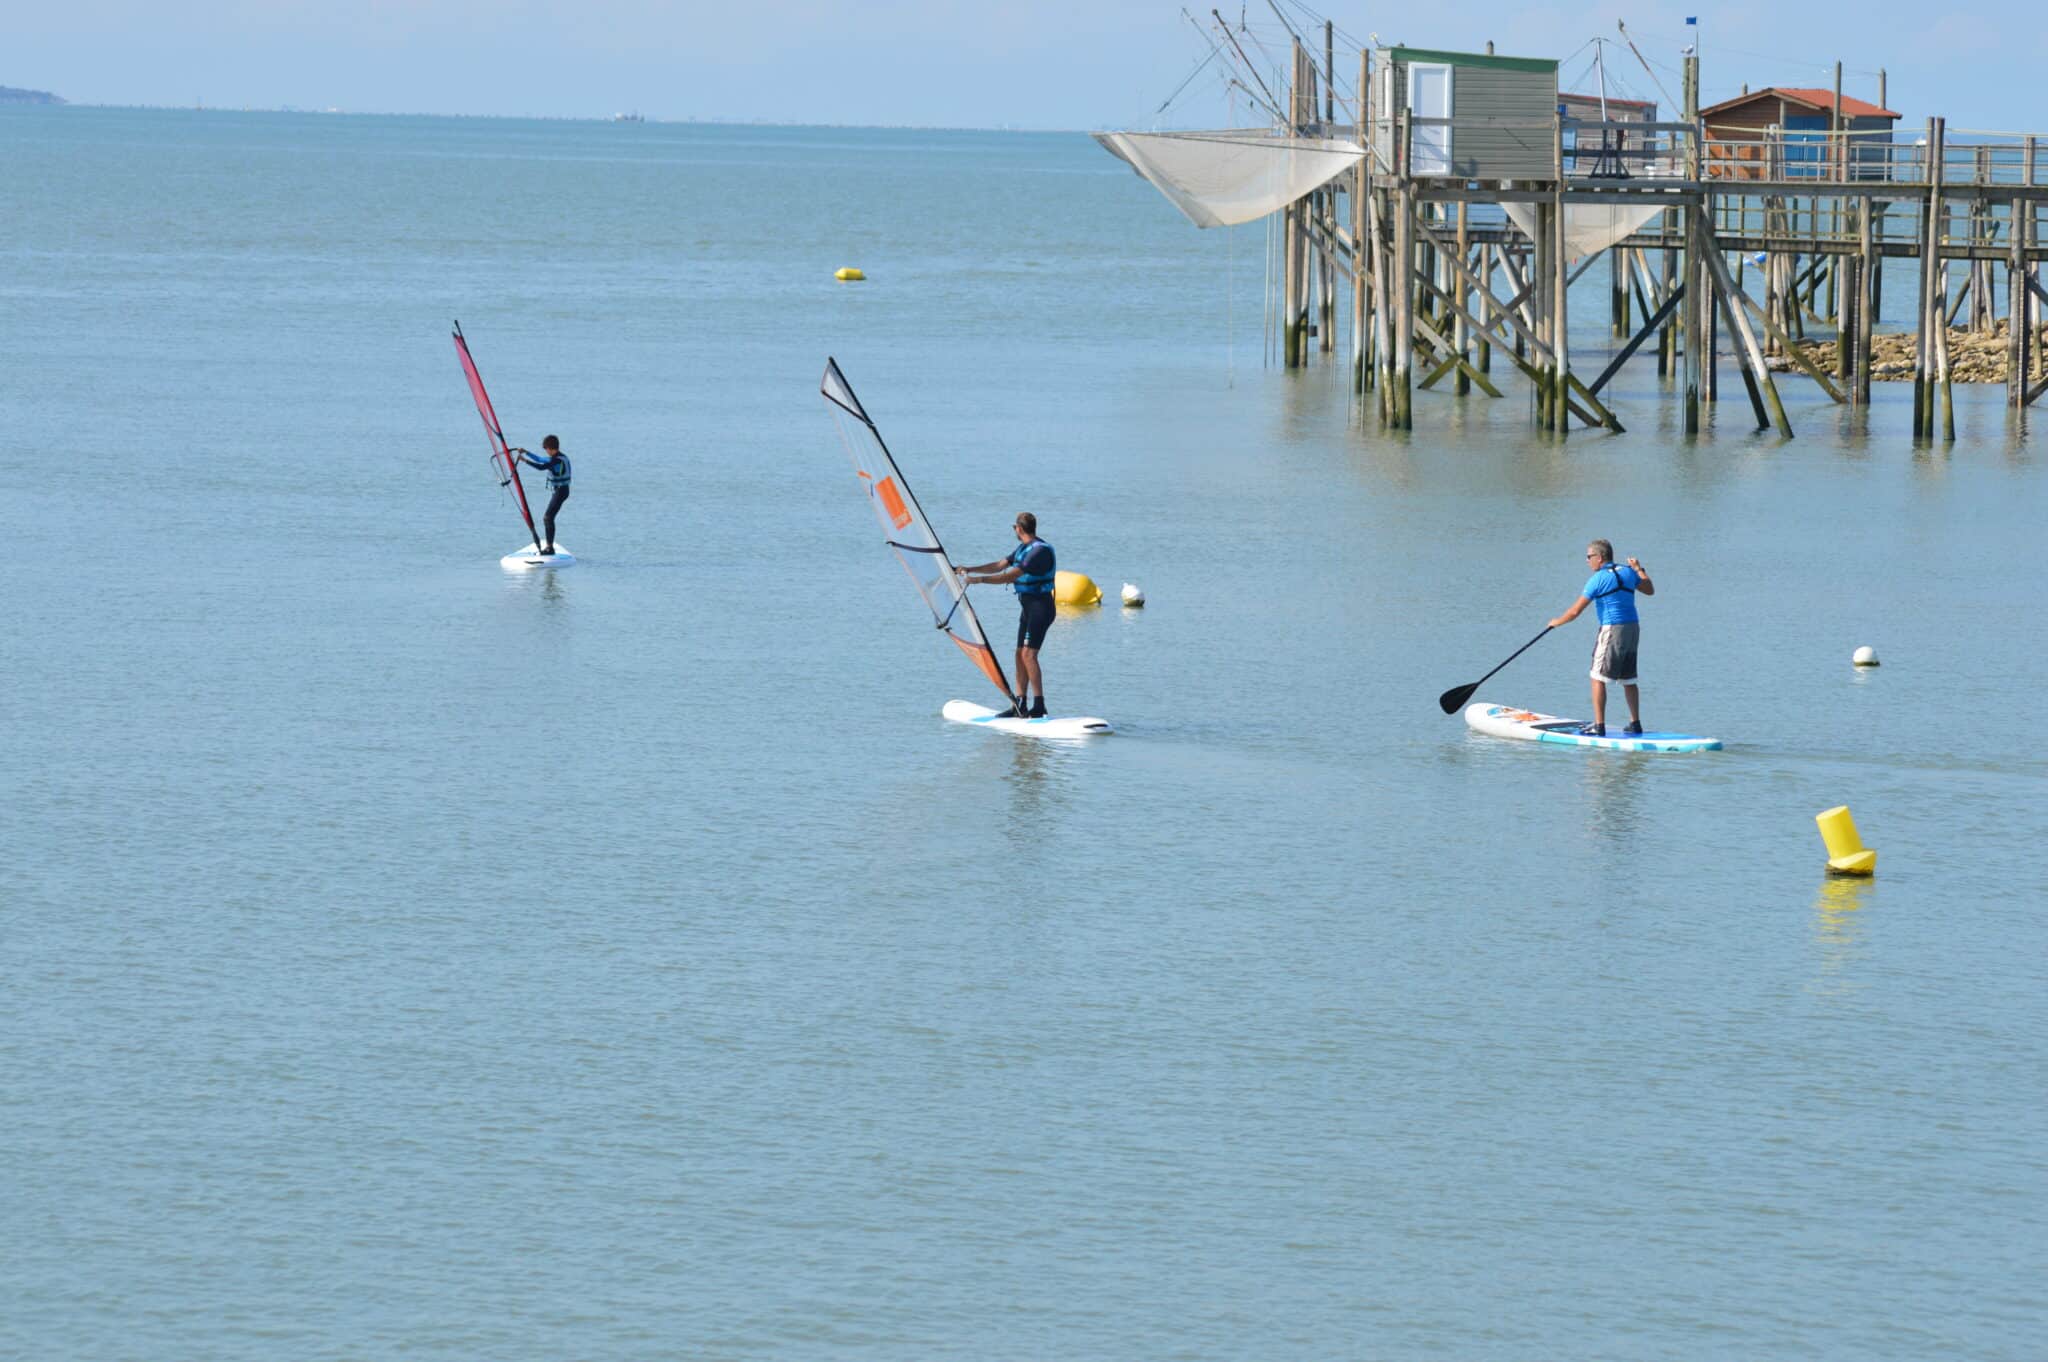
(1613, 590)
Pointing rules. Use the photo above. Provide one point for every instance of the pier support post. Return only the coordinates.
(1461, 339)
(1933, 320)
(1868, 264)
(1667, 339)
(1485, 356)
(1617, 291)
(1942, 370)
(2019, 301)
(1401, 392)
(1695, 272)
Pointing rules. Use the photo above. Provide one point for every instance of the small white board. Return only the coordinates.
(966, 712)
(531, 557)
(1505, 721)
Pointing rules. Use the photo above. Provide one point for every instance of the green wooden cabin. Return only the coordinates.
(1475, 116)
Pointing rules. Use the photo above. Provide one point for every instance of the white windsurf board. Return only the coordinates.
(531, 557)
(967, 712)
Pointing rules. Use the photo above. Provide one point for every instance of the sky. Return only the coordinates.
(1042, 64)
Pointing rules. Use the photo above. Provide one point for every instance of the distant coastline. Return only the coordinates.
(699, 120)
(10, 95)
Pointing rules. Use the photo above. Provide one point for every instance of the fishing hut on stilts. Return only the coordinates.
(1460, 195)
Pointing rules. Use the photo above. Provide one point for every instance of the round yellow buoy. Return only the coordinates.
(1075, 588)
(848, 275)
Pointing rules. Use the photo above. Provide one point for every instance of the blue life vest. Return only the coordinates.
(1033, 583)
(556, 467)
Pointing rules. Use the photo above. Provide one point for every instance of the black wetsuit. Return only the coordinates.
(557, 469)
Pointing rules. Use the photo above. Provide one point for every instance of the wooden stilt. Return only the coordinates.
(1404, 305)
(1763, 392)
(1486, 286)
(1461, 340)
(1693, 272)
(1867, 265)
(1560, 309)
(1667, 339)
(2024, 311)
(1933, 311)
(1941, 369)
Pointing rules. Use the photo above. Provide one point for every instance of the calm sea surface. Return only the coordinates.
(403, 958)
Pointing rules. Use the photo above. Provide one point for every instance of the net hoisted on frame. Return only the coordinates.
(1235, 175)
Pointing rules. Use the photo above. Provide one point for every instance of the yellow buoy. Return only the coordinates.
(848, 275)
(1846, 853)
(1075, 588)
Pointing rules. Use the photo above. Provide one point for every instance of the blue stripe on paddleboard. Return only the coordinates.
(1645, 742)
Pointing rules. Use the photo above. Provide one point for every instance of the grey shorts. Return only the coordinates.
(1614, 653)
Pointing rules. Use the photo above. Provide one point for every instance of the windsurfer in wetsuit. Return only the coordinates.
(1031, 566)
(556, 466)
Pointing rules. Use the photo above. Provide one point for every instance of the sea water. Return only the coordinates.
(400, 956)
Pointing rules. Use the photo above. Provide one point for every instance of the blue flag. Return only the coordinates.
(1693, 19)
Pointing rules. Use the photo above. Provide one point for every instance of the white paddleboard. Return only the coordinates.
(966, 712)
(1505, 721)
(531, 557)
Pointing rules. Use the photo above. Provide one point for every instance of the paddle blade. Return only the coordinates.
(1454, 699)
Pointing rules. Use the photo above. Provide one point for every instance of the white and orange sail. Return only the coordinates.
(906, 531)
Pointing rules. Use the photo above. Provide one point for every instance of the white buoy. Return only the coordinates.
(1133, 596)
(1865, 656)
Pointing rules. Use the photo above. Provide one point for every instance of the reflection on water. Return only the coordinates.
(1837, 930)
(1613, 784)
(1037, 800)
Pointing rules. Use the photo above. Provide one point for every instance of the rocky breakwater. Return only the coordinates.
(1973, 356)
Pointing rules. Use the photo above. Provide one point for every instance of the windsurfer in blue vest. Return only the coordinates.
(1031, 566)
(556, 466)
(1613, 591)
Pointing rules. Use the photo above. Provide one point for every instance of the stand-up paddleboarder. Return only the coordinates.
(1614, 648)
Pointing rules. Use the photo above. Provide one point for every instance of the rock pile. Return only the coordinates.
(1973, 357)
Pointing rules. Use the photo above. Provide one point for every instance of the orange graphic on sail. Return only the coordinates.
(892, 500)
(984, 659)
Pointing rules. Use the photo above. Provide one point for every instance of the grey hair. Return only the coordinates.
(1603, 548)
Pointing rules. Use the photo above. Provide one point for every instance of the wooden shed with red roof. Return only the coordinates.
(1784, 130)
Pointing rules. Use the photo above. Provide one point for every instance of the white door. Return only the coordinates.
(1429, 96)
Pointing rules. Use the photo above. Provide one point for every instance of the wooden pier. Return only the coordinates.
(1460, 236)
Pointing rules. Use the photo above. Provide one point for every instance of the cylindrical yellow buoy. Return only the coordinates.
(1075, 588)
(848, 275)
(1846, 853)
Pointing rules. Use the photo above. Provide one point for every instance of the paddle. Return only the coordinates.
(1452, 700)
